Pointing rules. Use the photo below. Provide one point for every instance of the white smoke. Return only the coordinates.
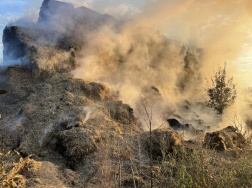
(135, 54)
(44, 137)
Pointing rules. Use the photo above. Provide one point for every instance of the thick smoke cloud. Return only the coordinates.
(168, 46)
(220, 27)
(136, 56)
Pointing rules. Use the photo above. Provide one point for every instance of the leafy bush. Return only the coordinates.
(221, 90)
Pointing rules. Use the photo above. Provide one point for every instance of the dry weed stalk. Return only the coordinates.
(146, 113)
(242, 128)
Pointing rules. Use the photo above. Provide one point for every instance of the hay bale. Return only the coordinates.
(228, 138)
(77, 143)
(163, 142)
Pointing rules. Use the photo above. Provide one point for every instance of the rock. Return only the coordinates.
(227, 138)
(163, 141)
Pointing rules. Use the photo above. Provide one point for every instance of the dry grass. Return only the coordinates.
(205, 168)
(10, 171)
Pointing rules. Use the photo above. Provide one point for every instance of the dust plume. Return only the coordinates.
(162, 49)
(171, 45)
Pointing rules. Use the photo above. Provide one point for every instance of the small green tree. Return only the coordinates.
(221, 90)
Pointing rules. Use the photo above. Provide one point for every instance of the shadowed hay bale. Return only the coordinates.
(163, 141)
(227, 138)
(77, 143)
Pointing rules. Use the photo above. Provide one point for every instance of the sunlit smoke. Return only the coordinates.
(136, 55)
(168, 45)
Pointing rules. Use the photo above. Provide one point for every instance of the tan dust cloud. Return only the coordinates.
(134, 55)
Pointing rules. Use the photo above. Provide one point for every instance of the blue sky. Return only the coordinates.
(11, 10)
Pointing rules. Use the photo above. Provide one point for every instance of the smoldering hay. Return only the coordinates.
(202, 35)
(166, 45)
(222, 28)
